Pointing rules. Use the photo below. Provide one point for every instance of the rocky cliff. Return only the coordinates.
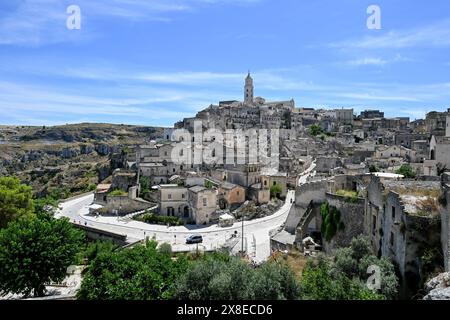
(68, 159)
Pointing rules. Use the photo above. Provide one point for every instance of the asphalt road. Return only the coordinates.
(256, 232)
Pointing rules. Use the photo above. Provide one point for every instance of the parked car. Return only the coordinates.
(194, 239)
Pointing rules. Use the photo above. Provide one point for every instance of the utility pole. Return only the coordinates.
(138, 173)
(242, 246)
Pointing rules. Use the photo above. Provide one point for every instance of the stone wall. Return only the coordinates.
(325, 164)
(123, 204)
(373, 217)
(445, 221)
(304, 194)
(352, 216)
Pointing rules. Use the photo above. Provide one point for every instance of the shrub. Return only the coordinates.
(350, 195)
(118, 193)
(407, 171)
(229, 278)
(155, 219)
(315, 130)
(165, 248)
(275, 191)
(331, 221)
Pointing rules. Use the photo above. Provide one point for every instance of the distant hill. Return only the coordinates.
(68, 159)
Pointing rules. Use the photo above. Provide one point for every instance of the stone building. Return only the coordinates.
(269, 180)
(344, 116)
(230, 195)
(403, 224)
(436, 123)
(196, 203)
(406, 139)
(445, 220)
(203, 204)
(440, 150)
(371, 114)
(123, 180)
(173, 201)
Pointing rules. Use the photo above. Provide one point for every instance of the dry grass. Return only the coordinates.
(427, 206)
(295, 260)
(418, 192)
(347, 193)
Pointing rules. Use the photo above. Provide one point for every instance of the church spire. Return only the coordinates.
(248, 89)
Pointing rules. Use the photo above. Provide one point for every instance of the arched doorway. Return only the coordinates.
(433, 154)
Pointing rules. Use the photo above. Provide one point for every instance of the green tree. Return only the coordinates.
(145, 185)
(95, 248)
(373, 168)
(321, 282)
(275, 281)
(35, 252)
(140, 273)
(355, 260)
(407, 171)
(230, 278)
(331, 221)
(16, 200)
(275, 191)
(45, 207)
(315, 130)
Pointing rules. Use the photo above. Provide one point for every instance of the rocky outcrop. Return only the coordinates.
(438, 288)
(103, 149)
(68, 153)
(103, 170)
(70, 158)
(86, 148)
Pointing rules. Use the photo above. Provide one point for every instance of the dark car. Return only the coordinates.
(194, 239)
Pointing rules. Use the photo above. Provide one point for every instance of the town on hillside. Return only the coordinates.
(260, 179)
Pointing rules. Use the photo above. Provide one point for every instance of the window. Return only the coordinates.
(392, 239)
(183, 196)
(374, 224)
(205, 202)
(274, 183)
(237, 192)
(169, 196)
(393, 213)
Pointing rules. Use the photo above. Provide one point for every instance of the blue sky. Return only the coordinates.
(153, 62)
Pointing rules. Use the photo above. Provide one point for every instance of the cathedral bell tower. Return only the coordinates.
(248, 90)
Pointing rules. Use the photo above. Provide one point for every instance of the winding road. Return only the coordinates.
(256, 232)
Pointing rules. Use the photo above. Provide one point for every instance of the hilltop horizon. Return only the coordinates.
(153, 63)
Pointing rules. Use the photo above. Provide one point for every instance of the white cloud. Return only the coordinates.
(37, 22)
(367, 61)
(435, 35)
(377, 61)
